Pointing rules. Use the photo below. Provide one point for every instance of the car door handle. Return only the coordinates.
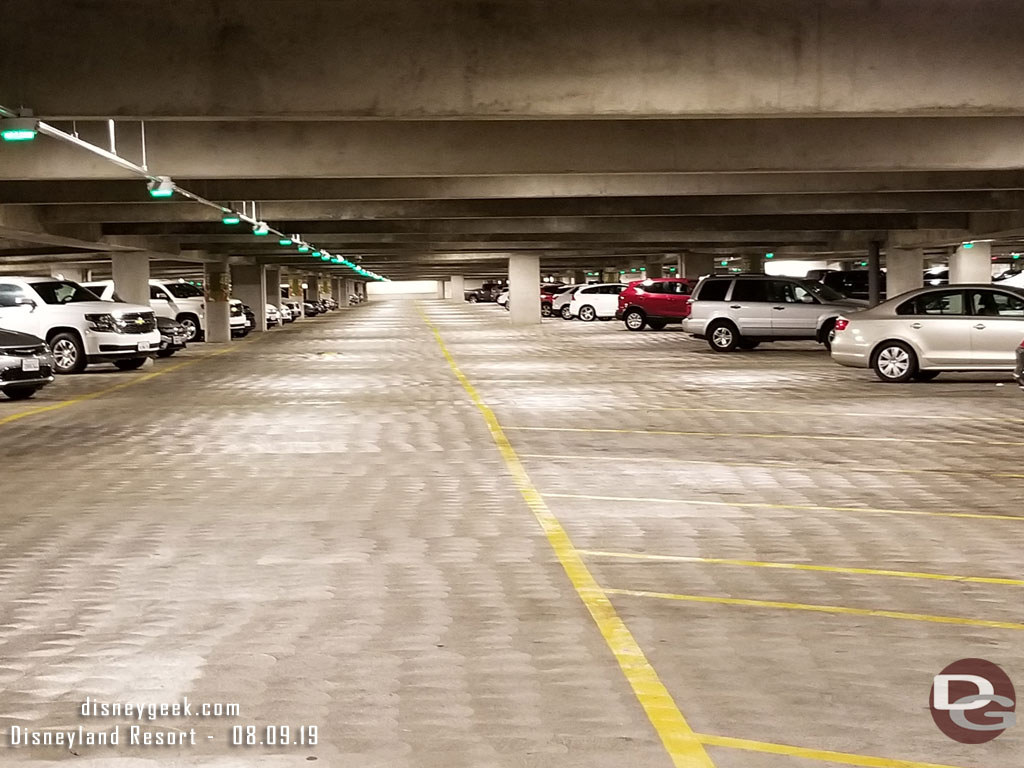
(778, 309)
(915, 325)
(979, 327)
(735, 306)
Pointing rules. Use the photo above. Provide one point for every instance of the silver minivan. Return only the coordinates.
(741, 311)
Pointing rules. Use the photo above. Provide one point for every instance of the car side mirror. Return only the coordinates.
(25, 301)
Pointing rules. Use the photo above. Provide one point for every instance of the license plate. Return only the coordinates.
(143, 346)
(30, 365)
(177, 339)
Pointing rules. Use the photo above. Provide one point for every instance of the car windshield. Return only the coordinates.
(63, 292)
(185, 291)
(822, 291)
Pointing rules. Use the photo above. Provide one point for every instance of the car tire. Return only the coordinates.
(68, 353)
(723, 336)
(894, 362)
(634, 320)
(20, 393)
(472, 299)
(545, 310)
(828, 332)
(192, 329)
(657, 325)
(748, 344)
(587, 313)
(166, 352)
(130, 364)
(925, 375)
(565, 312)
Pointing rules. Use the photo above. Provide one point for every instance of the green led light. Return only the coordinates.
(1015, 255)
(230, 219)
(968, 245)
(671, 269)
(18, 134)
(303, 248)
(261, 230)
(285, 241)
(725, 263)
(622, 271)
(863, 263)
(325, 257)
(633, 269)
(157, 192)
(769, 255)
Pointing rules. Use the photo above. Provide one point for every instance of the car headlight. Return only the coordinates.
(103, 322)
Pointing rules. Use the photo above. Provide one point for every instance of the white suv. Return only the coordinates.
(744, 310)
(182, 302)
(600, 300)
(79, 328)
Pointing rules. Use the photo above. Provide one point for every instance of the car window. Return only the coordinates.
(750, 290)
(789, 292)
(63, 292)
(822, 291)
(678, 288)
(996, 304)
(713, 290)
(184, 291)
(937, 303)
(157, 293)
(10, 293)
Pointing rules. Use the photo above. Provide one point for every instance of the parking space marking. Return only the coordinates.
(842, 758)
(776, 464)
(121, 385)
(843, 414)
(803, 567)
(833, 609)
(803, 507)
(771, 436)
(675, 732)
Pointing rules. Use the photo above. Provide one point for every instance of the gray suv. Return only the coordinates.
(741, 311)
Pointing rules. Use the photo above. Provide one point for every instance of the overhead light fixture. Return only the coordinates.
(18, 128)
(968, 245)
(260, 229)
(303, 248)
(161, 186)
(285, 241)
(230, 218)
(769, 255)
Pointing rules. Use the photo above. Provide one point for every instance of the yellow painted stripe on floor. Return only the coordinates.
(841, 758)
(128, 382)
(841, 414)
(675, 732)
(804, 567)
(836, 609)
(763, 505)
(770, 436)
(772, 465)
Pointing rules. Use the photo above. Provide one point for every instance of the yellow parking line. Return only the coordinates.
(130, 382)
(835, 609)
(841, 414)
(842, 758)
(762, 505)
(779, 464)
(770, 436)
(804, 567)
(675, 732)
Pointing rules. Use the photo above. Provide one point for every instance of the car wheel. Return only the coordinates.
(658, 325)
(472, 299)
(565, 312)
(634, 320)
(828, 333)
(20, 393)
(166, 352)
(68, 353)
(545, 310)
(191, 325)
(925, 375)
(894, 362)
(131, 364)
(587, 313)
(723, 337)
(748, 344)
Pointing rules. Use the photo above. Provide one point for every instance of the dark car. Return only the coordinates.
(310, 309)
(654, 303)
(250, 317)
(172, 336)
(26, 365)
(486, 292)
(1018, 372)
(852, 284)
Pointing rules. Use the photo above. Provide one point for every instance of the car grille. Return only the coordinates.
(22, 351)
(130, 322)
(16, 374)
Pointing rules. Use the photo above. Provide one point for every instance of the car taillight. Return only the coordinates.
(1022, 345)
(841, 324)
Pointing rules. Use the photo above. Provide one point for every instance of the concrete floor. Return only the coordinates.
(319, 525)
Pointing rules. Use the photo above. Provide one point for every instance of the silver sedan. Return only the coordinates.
(919, 334)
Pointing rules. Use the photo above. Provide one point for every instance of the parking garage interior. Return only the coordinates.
(386, 520)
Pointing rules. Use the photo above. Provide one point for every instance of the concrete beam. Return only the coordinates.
(499, 147)
(534, 57)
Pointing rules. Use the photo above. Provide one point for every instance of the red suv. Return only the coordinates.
(655, 303)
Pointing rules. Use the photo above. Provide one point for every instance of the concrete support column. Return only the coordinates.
(693, 266)
(248, 283)
(338, 291)
(313, 288)
(524, 289)
(579, 277)
(874, 274)
(440, 289)
(131, 276)
(971, 263)
(67, 272)
(295, 294)
(755, 263)
(217, 284)
(458, 288)
(654, 267)
(904, 270)
(273, 285)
